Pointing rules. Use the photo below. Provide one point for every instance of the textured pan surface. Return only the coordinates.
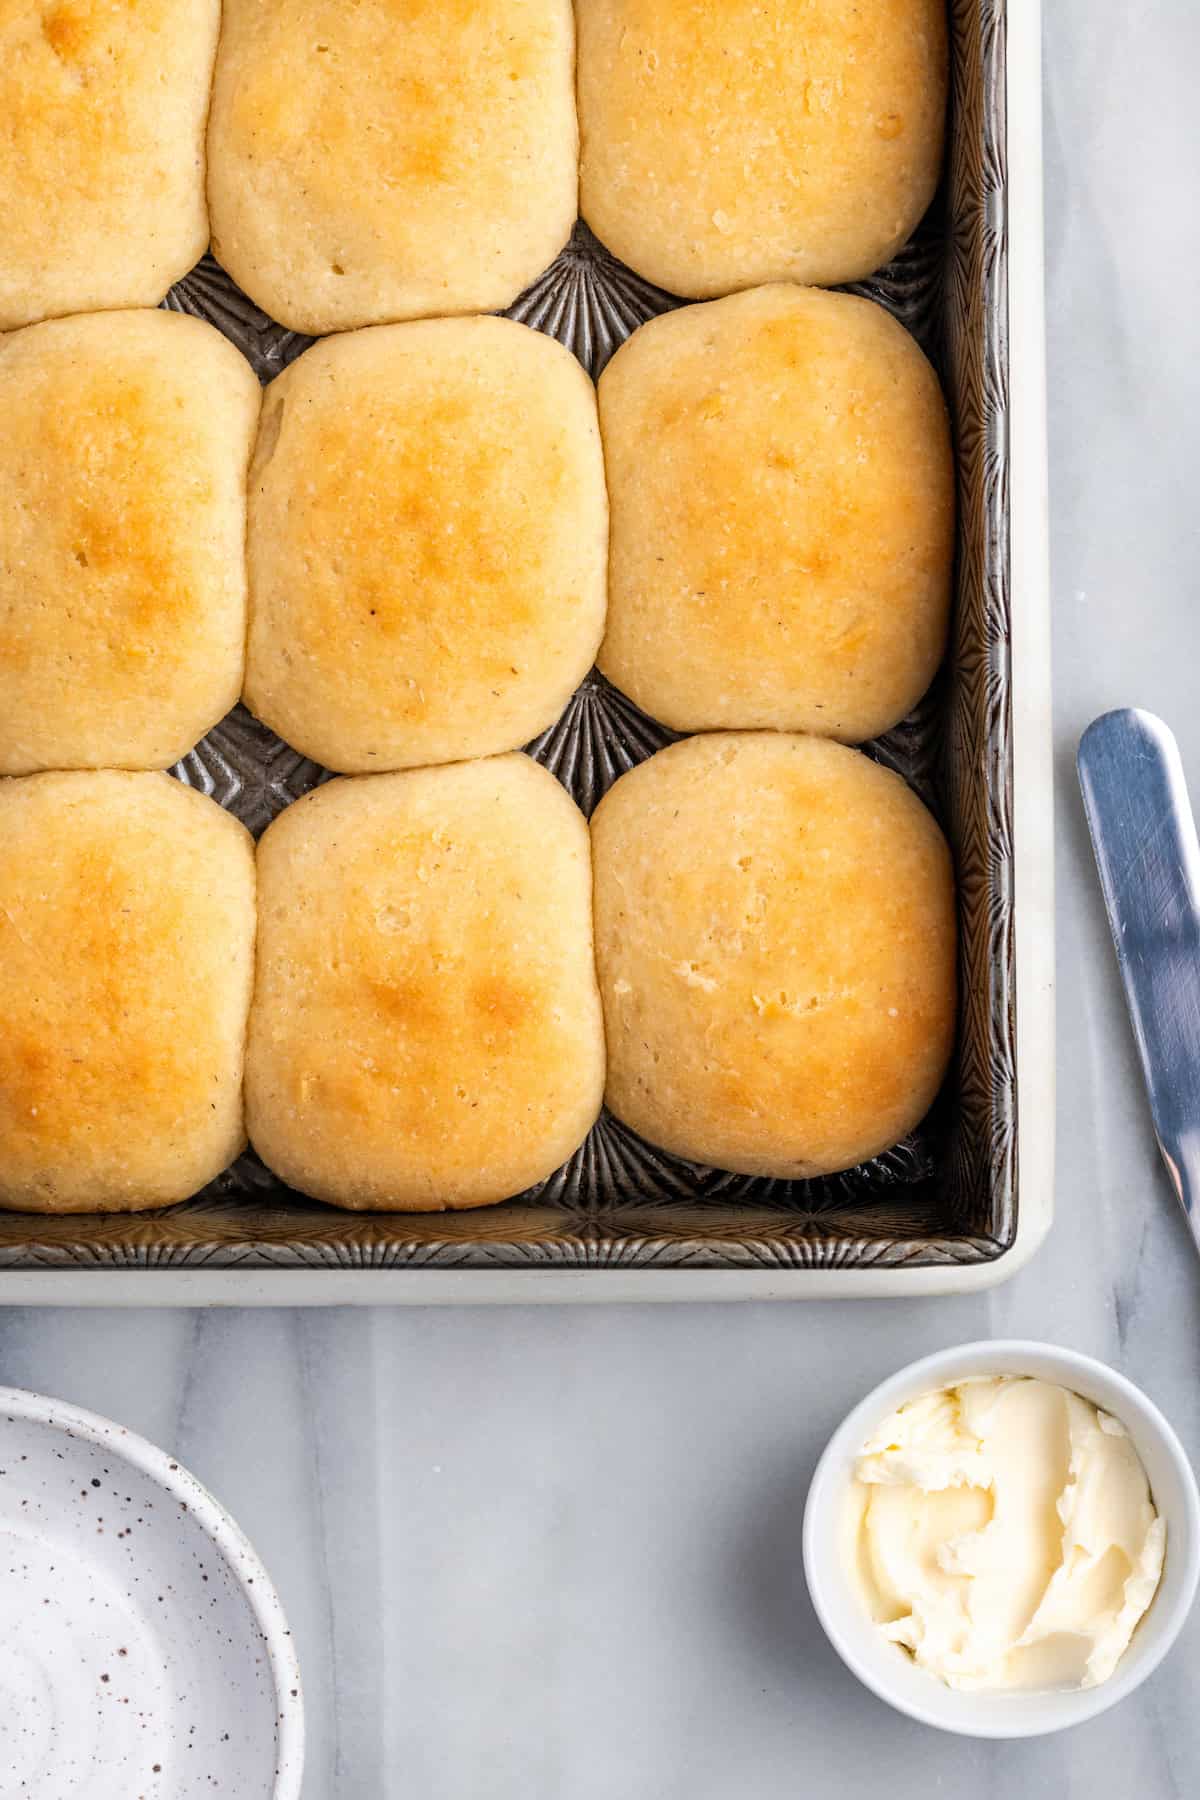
(948, 1195)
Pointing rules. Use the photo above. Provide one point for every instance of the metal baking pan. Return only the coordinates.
(965, 1200)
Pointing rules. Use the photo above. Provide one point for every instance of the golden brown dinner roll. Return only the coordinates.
(102, 110)
(126, 952)
(730, 142)
(782, 496)
(123, 455)
(426, 1027)
(381, 161)
(776, 946)
(428, 525)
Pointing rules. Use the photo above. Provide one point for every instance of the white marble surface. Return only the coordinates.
(553, 1555)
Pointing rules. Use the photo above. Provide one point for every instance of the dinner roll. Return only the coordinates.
(782, 495)
(730, 142)
(428, 525)
(123, 456)
(426, 1028)
(101, 151)
(126, 952)
(776, 946)
(378, 161)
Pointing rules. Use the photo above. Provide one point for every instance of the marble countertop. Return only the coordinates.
(554, 1554)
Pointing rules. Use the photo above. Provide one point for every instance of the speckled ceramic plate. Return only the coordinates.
(144, 1654)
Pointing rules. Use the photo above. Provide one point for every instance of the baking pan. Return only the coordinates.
(965, 1199)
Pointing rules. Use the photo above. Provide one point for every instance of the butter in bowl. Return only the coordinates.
(1003, 1539)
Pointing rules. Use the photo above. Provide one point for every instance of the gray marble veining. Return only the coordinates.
(553, 1555)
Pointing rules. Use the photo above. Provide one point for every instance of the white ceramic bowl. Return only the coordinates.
(885, 1668)
(143, 1651)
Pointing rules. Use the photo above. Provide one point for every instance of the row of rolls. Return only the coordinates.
(357, 164)
(414, 546)
(419, 988)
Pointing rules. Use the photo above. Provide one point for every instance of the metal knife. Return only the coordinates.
(1144, 837)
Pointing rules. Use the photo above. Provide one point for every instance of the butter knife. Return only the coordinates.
(1144, 837)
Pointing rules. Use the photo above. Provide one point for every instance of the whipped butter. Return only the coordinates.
(1003, 1532)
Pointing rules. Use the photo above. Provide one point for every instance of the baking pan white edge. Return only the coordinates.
(1033, 825)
